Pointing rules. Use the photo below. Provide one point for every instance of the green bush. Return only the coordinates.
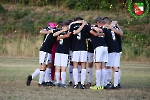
(18, 14)
(2, 10)
(27, 25)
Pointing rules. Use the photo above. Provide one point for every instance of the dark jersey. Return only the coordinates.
(63, 44)
(98, 41)
(111, 40)
(46, 29)
(79, 40)
(89, 44)
(49, 42)
(71, 38)
(118, 37)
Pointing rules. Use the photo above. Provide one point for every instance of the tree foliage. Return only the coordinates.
(75, 4)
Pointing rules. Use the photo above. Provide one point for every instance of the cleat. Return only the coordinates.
(50, 83)
(119, 86)
(115, 87)
(79, 82)
(29, 79)
(108, 86)
(101, 87)
(95, 87)
(40, 85)
(43, 83)
(82, 86)
(63, 86)
(75, 86)
(70, 83)
(58, 84)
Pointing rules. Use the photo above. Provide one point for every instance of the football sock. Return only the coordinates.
(75, 75)
(63, 77)
(41, 76)
(35, 73)
(116, 75)
(119, 76)
(47, 75)
(105, 81)
(79, 73)
(103, 73)
(90, 75)
(57, 75)
(98, 75)
(70, 72)
(109, 75)
(83, 76)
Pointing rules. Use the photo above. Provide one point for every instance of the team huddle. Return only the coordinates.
(80, 45)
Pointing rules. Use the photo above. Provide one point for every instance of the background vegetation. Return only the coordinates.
(21, 20)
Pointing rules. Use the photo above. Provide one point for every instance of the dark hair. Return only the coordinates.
(107, 18)
(69, 21)
(65, 23)
(97, 19)
(77, 18)
(59, 23)
(101, 21)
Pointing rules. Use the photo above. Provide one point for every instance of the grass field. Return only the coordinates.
(135, 83)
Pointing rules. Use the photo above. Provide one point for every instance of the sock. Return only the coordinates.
(47, 75)
(103, 73)
(75, 75)
(119, 76)
(83, 76)
(41, 76)
(90, 75)
(109, 75)
(63, 77)
(79, 73)
(70, 72)
(105, 81)
(98, 75)
(116, 75)
(57, 75)
(35, 73)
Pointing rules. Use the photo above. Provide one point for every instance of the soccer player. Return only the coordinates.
(62, 52)
(79, 47)
(113, 50)
(90, 60)
(46, 32)
(100, 54)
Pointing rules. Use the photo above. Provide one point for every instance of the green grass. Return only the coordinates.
(135, 83)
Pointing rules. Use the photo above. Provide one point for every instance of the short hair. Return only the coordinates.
(107, 18)
(101, 21)
(65, 23)
(97, 19)
(69, 21)
(59, 23)
(77, 18)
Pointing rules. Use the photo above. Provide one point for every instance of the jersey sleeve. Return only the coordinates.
(71, 28)
(104, 30)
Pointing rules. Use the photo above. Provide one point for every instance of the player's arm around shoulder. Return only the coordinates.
(80, 28)
(43, 31)
(116, 30)
(57, 33)
(64, 36)
(96, 33)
